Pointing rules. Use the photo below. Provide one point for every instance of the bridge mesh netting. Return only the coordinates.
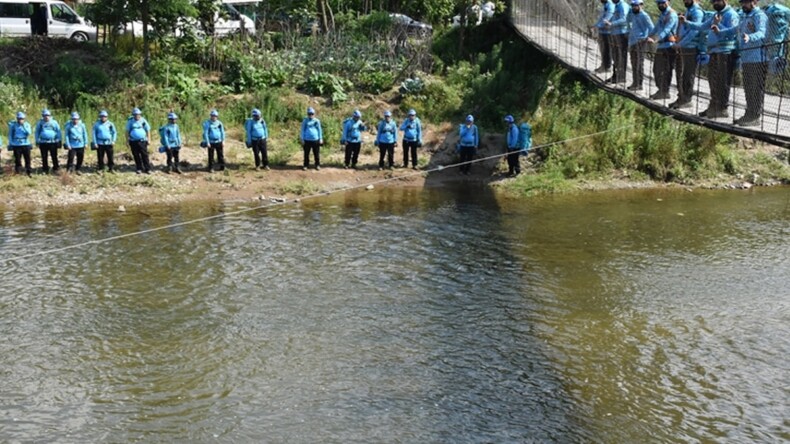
(740, 83)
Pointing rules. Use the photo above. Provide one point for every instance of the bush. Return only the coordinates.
(70, 77)
(327, 85)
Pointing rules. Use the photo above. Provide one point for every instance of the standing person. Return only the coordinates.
(720, 45)
(75, 140)
(618, 40)
(138, 133)
(665, 34)
(104, 137)
(19, 132)
(257, 134)
(513, 149)
(468, 141)
(412, 138)
(607, 8)
(386, 138)
(776, 34)
(170, 136)
(641, 24)
(48, 139)
(312, 137)
(352, 138)
(754, 64)
(688, 47)
(214, 140)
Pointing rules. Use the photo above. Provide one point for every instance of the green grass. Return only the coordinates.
(301, 187)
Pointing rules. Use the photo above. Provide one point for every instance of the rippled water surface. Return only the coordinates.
(403, 315)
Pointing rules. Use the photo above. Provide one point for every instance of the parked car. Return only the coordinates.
(411, 26)
(227, 22)
(22, 18)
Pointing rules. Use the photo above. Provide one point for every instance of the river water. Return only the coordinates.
(403, 315)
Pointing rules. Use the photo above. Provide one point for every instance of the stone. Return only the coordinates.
(369, 187)
(121, 209)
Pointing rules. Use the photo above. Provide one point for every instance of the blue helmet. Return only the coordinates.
(20, 115)
(136, 112)
(509, 118)
(357, 113)
(103, 113)
(310, 110)
(412, 112)
(214, 113)
(387, 114)
(45, 112)
(256, 112)
(470, 118)
(75, 115)
(172, 116)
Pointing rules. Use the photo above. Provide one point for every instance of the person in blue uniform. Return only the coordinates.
(138, 133)
(214, 140)
(618, 38)
(257, 133)
(386, 139)
(170, 135)
(607, 8)
(104, 137)
(75, 140)
(664, 33)
(48, 138)
(754, 62)
(513, 150)
(412, 138)
(640, 24)
(688, 48)
(352, 138)
(312, 137)
(19, 133)
(468, 142)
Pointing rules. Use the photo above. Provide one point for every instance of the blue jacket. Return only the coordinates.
(666, 27)
(469, 136)
(137, 130)
(76, 135)
(352, 131)
(213, 131)
(311, 130)
(512, 137)
(255, 129)
(18, 135)
(607, 8)
(104, 133)
(778, 23)
(724, 41)
(48, 132)
(619, 19)
(641, 24)
(387, 132)
(412, 130)
(689, 37)
(170, 136)
(752, 24)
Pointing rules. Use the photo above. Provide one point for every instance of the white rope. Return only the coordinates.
(285, 201)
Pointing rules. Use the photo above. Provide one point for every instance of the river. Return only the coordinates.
(402, 315)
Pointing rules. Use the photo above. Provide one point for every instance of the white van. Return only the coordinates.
(222, 26)
(22, 18)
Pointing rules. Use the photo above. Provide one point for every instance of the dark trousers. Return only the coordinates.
(219, 148)
(315, 147)
(754, 87)
(260, 152)
(663, 65)
(720, 70)
(513, 165)
(102, 152)
(22, 152)
(388, 150)
(409, 147)
(685, 71)
(49, 150)
(604, 45)
(140, 154)
(619, 47)
(79, 153)
(352, 153)
(172, 156)
(467, 154)
(637, 53)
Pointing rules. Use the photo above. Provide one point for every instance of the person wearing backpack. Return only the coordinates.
(352, 139)
(665, 34)
(686, 66)
(104, 138)
(513, 150)
(256, 135)
(75, 141)
(48, 139)
(138, 133)
(170, 138)
(386, 139)
(412, 138)
(214, 140)
(468, 142)
(752, 30)
(19, 132)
